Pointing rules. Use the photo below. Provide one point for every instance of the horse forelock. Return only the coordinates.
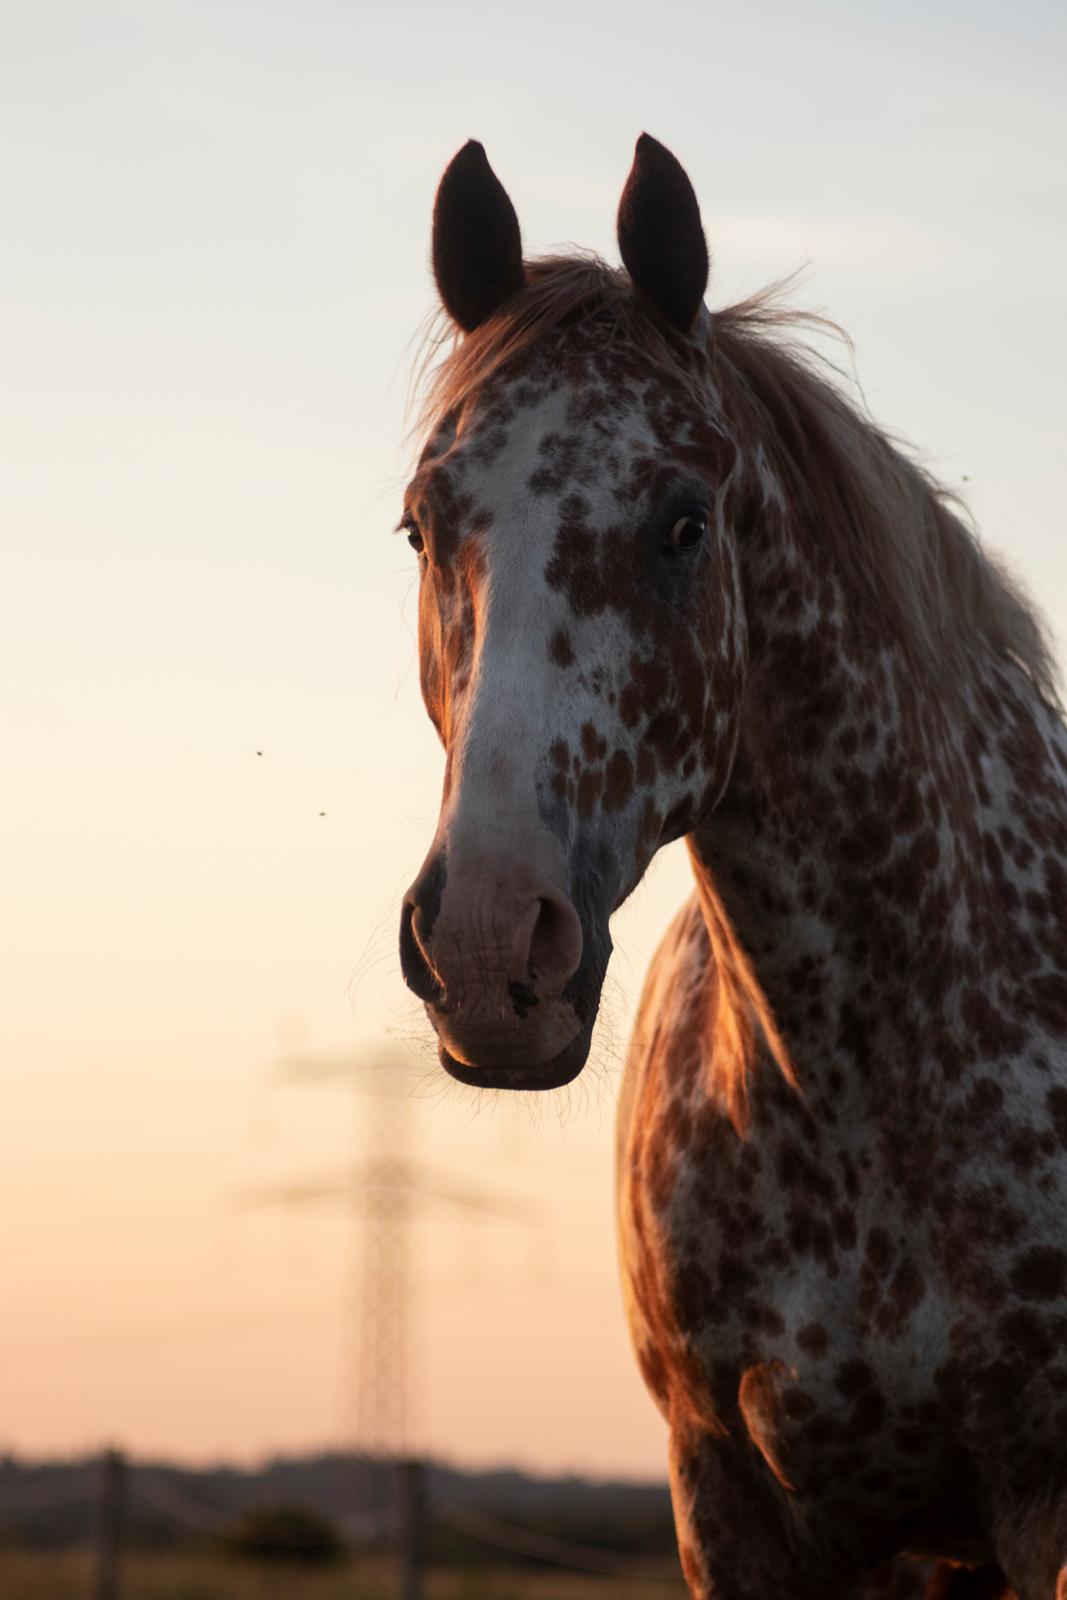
(561, 291)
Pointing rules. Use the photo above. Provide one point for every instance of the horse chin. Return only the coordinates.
(550, 1074)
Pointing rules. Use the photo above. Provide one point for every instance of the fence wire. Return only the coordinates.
(163, 1497)
(543, 1547)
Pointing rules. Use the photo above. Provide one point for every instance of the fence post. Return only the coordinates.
(411, 1504)
(107, 1530)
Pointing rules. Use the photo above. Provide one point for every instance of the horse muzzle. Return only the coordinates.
(495, 951)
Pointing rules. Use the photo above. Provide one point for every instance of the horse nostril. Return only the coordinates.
(418, 974)
(555, 944)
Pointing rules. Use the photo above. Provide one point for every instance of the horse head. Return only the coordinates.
(581, 630)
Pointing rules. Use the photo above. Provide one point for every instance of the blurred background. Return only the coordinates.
(217, 777)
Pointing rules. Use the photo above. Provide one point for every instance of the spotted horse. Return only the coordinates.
(674, 583)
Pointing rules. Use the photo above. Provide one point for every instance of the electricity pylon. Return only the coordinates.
(383, 1190)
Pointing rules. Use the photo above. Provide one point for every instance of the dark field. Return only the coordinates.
(65, 1575)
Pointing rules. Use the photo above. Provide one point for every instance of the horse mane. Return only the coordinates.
(896, 537)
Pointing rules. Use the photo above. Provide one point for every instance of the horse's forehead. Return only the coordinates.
(554, 413)
(522, 449)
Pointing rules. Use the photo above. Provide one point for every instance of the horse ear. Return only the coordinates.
(660, 237)
(477, 247)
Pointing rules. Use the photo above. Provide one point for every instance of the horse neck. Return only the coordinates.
(845, 860)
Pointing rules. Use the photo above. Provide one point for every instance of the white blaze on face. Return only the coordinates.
(539, 673)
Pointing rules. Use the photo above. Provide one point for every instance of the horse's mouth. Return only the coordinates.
(551, 1074)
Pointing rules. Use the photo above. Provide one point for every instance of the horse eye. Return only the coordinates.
(688, 531)
(415, 539)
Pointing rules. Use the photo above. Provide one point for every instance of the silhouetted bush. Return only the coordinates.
(285, 1533)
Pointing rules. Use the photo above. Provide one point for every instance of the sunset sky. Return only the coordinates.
(216, 222)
